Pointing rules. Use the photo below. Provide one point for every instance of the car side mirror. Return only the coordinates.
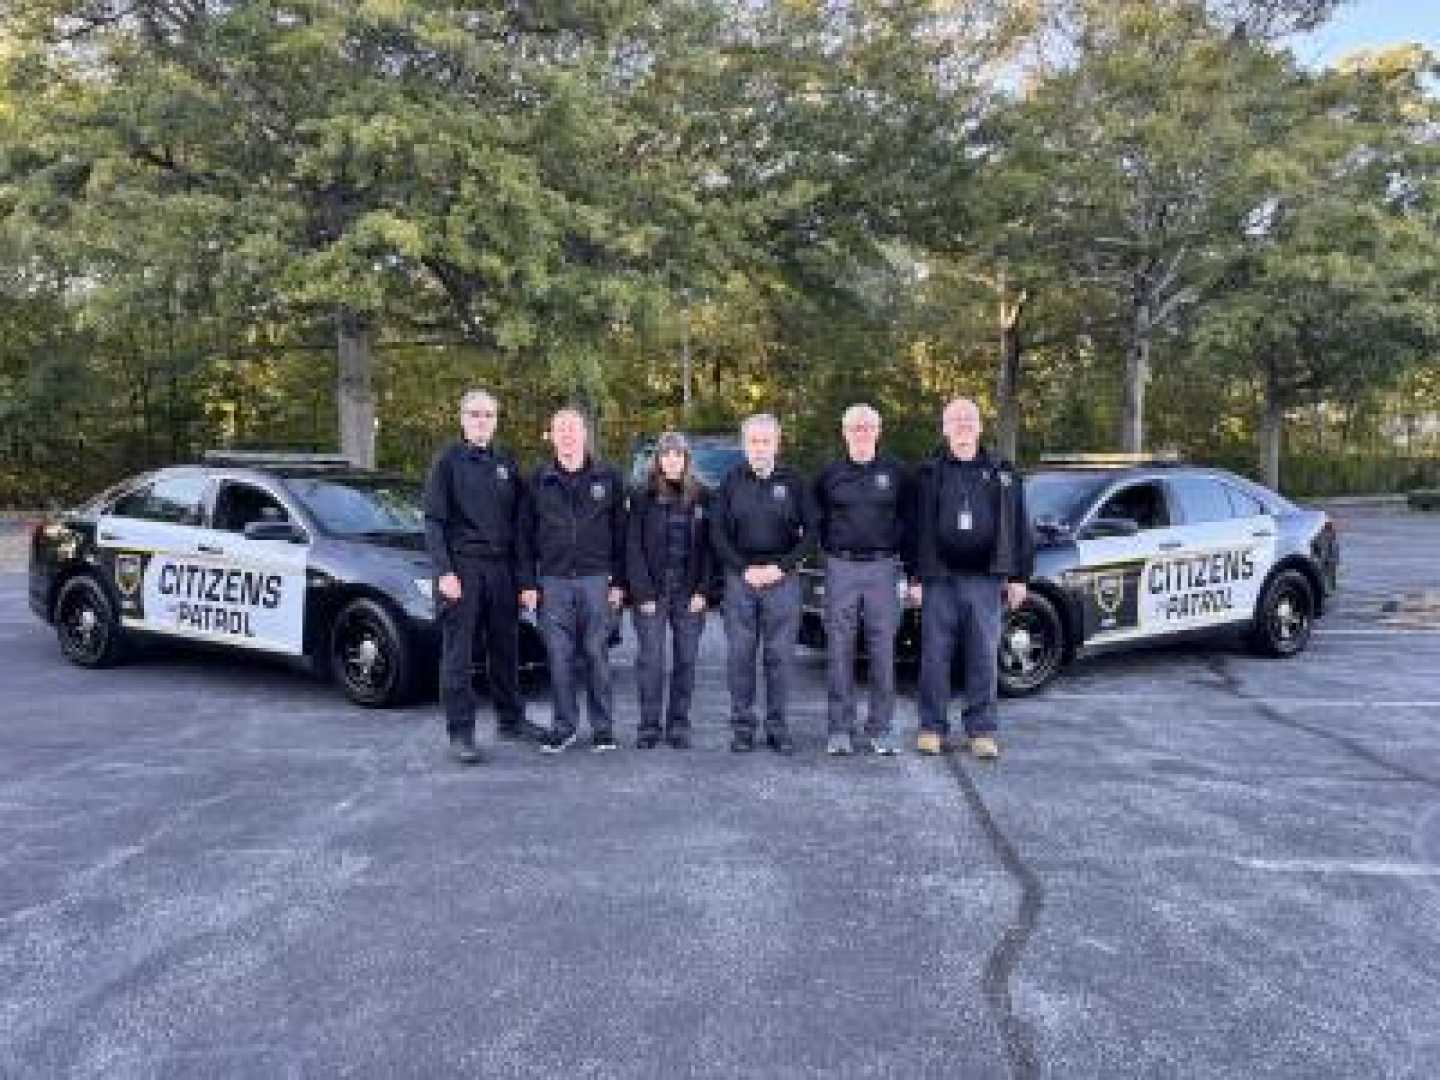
(1112, 526)
(274, 530)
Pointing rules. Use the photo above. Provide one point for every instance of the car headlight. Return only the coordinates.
(425, 587)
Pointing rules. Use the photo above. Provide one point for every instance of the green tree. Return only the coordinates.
(1335, 293)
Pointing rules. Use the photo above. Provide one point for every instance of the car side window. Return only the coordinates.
(1243, 503)
(1202, 499)
(175, 500)
(238, 504)
(1142, 503)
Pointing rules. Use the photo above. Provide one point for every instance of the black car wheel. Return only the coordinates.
(86, 624)
(1285, 615)
(1032, 646)
(370, 657)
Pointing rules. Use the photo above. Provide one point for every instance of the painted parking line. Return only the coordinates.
(1367, 867)
(1307, 702)
(1400, 632)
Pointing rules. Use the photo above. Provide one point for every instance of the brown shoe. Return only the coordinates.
(929, 742)
(984, 747)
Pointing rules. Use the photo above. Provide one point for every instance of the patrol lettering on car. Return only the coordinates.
(1198, 585)
(177, 594)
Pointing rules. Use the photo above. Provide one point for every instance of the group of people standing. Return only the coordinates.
(573, 545)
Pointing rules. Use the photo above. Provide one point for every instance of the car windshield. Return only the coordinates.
(362, 507)
(1060, 496)
(711, 461)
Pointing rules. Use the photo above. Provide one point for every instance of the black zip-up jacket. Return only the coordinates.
(937, 505)
(572, 524)
(864, 509)
(646, 541)
(472, 505)
(757, 522)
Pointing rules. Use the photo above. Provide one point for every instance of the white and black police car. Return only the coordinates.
(300, 556)
(1132, 550)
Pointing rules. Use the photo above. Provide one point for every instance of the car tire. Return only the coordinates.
(1285, 616)
(1032, 646)
(87, 625)
(371, 658)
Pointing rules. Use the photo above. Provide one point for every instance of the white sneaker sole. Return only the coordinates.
(546, 748)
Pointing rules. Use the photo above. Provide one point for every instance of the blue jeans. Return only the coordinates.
(672, 610)
(575, 623)
(964, 610)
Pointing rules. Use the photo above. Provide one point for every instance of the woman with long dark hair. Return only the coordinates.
(668, 569)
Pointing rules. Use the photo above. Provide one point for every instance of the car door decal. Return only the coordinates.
(1211, 576)
(253, 599)
(256, 606)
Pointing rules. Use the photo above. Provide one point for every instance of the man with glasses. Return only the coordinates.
(971, 549)
(863, 503)
(472, 510)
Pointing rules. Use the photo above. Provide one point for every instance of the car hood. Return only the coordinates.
(402, 555)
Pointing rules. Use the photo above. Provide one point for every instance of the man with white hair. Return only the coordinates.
(472, 506)
(762, 521)
(972, 550)
(863, 502)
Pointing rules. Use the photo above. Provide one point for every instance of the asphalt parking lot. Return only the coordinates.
(1189, 863)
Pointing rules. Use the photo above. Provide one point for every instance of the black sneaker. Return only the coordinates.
(647, 740)
(679, 740)
(603, 741)
(465, 751)
(780, 742)
(555, 743)
(742, 742)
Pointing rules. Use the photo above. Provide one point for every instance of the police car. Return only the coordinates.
(1132, 550)
(300, 556)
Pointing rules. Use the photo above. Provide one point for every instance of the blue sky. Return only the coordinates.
(1364, 24)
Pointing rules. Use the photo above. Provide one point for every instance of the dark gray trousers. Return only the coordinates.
(672, 611)
(488, 609)
(575, 624)
(963, 610)
(861, 594)
(760, 620)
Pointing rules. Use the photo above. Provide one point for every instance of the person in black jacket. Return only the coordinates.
(863, 500)
(667, 573)
(572, 566)
(763, 520)
(472, 506)
(972, 549)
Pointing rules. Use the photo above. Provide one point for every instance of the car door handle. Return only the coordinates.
(1171, 545)
(1263, 532)
(108, 536)
(208, 550)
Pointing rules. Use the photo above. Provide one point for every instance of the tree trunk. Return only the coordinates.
(355, 396)
(1272, 424)
(1137, 374)
(1007, 390)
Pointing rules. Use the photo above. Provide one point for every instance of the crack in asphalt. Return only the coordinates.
(1004, 958)
(1230, 682)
